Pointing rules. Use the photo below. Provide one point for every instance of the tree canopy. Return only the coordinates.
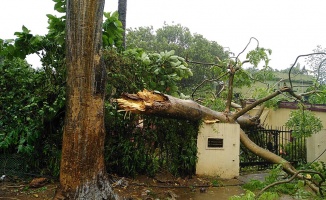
(192, 47)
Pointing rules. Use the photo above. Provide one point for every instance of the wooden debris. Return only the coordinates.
(38, 182)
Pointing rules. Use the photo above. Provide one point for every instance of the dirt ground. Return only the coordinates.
(19, 190)
(162, 186)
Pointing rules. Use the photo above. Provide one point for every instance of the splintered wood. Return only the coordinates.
(139, 102)
(155, 103)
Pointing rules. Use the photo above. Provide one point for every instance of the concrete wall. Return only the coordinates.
(279, 117)
(218, 161)
(316, 145)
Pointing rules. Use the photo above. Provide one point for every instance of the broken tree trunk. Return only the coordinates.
(158, 104)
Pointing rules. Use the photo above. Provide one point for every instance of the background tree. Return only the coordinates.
(317, 63)
(122, 10)
(295, 70)
(193, 47)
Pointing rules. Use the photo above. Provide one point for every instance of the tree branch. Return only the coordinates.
(293, 177)
(256, 103)
(259, 113)
(311, 92)
(202, 63)
(318, 71)
(297, 60)
(230, 90)
(236, 59)
(204, 81)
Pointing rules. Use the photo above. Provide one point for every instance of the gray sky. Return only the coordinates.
(288, 27)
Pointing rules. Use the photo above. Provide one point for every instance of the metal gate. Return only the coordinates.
(279, 141)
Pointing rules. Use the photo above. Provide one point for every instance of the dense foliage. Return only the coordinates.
(303, 123)
(319, 97)
(21, 116)
(34, 99)
(193, 47)
(136, 70)
(146, 145)
(141, 144)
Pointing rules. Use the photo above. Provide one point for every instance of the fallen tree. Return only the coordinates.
(159, 104)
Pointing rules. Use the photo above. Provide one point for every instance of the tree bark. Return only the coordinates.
(122, 10)
(159, 104)
(82, 171)
(153, 103)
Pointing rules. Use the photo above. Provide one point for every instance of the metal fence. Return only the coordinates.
(279, 141)
(14, 165)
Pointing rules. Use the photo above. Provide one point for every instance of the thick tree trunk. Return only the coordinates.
(158, 104)
(82, 172)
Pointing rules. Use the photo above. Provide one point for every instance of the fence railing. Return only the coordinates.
(279, 141)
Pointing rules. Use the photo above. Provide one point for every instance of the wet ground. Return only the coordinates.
(224, 191)
(162, 186)
(196, 188)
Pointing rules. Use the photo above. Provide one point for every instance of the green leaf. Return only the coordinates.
(25, 30)
(107, 14)
(115, 15)
(182, 67)
(157, 71)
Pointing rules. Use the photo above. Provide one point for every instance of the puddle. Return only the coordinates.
(212, 193)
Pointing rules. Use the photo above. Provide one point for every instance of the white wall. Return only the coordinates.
(224, 161)
(316, 145)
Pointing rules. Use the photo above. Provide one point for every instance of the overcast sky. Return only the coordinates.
(288, 27)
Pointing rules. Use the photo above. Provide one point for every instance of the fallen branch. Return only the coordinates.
(292, 178)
